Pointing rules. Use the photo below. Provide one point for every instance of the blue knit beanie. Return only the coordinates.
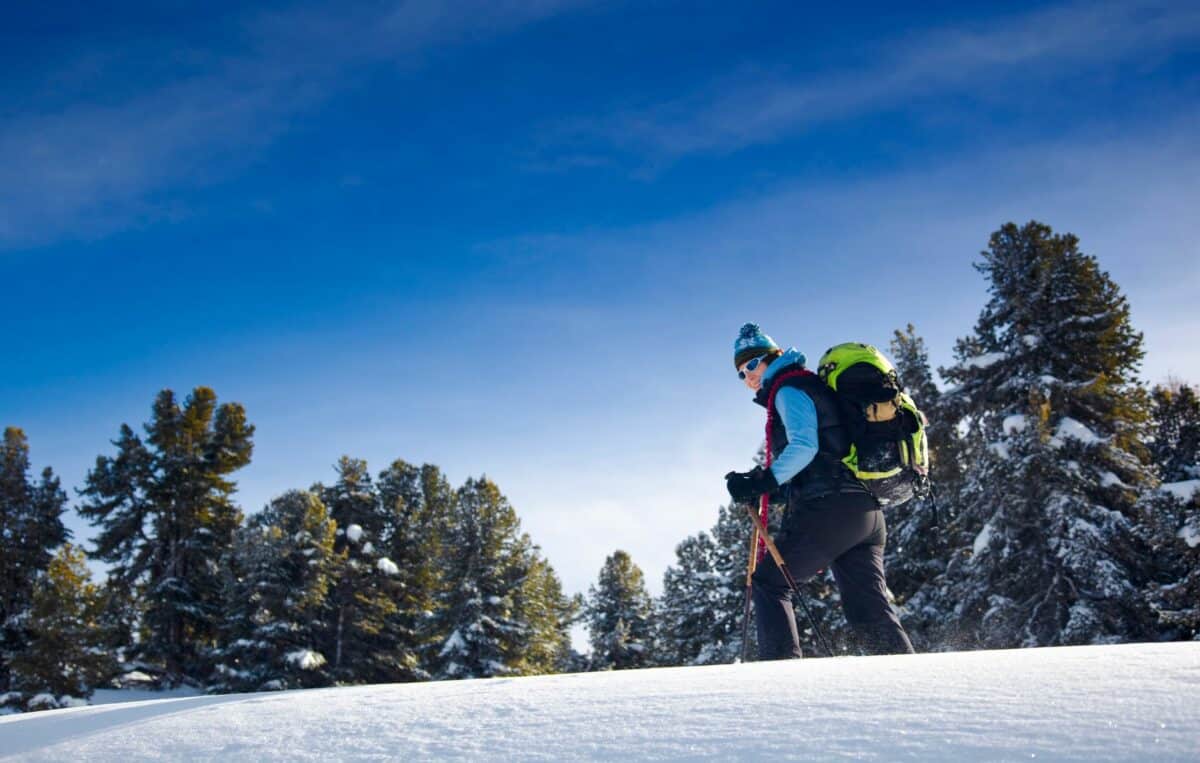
(750, 343)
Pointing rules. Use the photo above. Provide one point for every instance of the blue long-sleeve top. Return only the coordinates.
(799, 416)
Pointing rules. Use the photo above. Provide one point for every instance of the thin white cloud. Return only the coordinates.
(90, 168)
(1130, 199)
(759, 105)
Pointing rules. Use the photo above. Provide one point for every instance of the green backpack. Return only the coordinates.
(889, 453)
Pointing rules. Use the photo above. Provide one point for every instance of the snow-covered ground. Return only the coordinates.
(1100, 703)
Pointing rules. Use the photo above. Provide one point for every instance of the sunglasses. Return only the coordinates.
(752, 365)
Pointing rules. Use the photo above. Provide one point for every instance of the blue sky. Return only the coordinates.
(517, 238)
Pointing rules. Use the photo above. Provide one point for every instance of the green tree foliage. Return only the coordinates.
(166, 515)
(277, 577)
(66, 655)
(688, 610)
(620, 616)
(488, 564)
(546, 615)
(418, 504)
(699, 617)
(731, 554)
(1171, 515)
(30, 529)
(1171, 525)
(352, 500)
(121, 616)
(1175, 432)
(1044, 545)
(359, 641)
(915, 553)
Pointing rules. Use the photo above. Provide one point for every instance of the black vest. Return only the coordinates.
(826, 474)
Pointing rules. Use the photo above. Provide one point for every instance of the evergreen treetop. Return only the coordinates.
(620, 616)
(1055, 332)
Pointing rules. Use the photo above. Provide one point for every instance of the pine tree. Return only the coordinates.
(66, 656)
(278, 575)
(418, 504)
(687, 612)
(31, 528)
(359, 642)
(1171, 526)
(620, 616)
(120, 618)
(1045, 548)
(546, 616)
(1171, 514)
(488, 563)
(166, 515)
(730, 556)
(915, 553)
(1175, 429)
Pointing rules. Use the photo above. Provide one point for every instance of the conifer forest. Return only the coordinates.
(1065, 510)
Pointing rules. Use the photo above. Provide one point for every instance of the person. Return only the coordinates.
(832, 521)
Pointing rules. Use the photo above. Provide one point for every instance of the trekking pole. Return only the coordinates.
(757, 551)
(761, 530)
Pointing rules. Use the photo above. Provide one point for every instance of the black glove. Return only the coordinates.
(746, 486)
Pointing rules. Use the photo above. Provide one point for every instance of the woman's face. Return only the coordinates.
(752, 372)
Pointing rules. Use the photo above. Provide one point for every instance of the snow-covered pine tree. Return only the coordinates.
(686, 613)
(710, 572)
(916, 551)
(359, 641)
(1175, 432)
(166, 515)
(66, 657)
(120, 618)
(1171, 513)
(731, 553)
(1171, 527)
(620, 616)
(277, 576)
(1046, 548)
(546, 615)
(31, 528)
(486, 566)
(418, 504)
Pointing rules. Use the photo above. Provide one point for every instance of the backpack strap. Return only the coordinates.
(776, 384)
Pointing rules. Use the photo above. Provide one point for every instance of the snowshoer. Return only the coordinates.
(832, 520)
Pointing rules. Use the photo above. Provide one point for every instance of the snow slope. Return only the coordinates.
(1096, 703)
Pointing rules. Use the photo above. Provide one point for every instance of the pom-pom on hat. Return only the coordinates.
(750, 343)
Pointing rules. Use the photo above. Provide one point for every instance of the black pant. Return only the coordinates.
(838, 534)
